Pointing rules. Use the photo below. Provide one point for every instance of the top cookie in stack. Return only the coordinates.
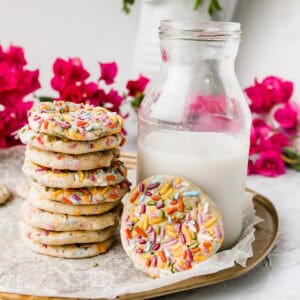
(78, 182)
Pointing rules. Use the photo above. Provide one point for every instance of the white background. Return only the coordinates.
(93, 30)
(98, 30)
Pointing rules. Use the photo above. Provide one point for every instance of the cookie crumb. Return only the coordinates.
(95, 264)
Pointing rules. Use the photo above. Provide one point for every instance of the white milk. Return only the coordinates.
(215, 161)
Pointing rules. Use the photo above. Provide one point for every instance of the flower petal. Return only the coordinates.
(108, 72)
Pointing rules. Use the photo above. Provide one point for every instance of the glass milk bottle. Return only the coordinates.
(194, 120)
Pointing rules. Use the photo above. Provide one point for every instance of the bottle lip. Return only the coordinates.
(196, 30)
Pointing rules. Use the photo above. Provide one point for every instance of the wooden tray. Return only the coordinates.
(265, 237)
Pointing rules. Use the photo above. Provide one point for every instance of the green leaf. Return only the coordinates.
(217, 5)
(45, 99)
(126, 5)
(291, 153)
(214, 6)
(292, 158)
(197, 4)
(136, 101)
(295, 167)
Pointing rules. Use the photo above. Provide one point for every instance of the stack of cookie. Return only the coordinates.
(73, 206)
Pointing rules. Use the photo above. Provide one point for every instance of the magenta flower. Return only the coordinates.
(261, 127)
(260, 130)
(13, 56)
(16, 82)
(28, 81)
(138, 86)
(287, 117)
(72, 93)
(78, 93)
(108, 72)
(272, 90)
(12, 118)
(8, 80)
(98, 97)
(251, 167)
(71, 71)
(274, 127)
(70, 80)
(269, 163)
(258, 104)
(277, 90)
(276, 142)
(113, 101)
(58, 83)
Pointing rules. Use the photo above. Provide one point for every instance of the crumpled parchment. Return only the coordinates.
(105, 276)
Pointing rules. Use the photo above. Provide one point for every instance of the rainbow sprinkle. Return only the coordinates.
(172, 225)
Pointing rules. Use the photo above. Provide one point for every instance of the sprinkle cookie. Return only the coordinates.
(61, 222)
(71, 162)
(47, 142)
(66, 237)
(4, 193)
(78, 122)
(169, 225)
(39, 201)
(75, 179)
(69, 251)
(85, 196)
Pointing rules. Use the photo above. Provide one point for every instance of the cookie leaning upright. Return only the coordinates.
(72, 158)
(168, 225)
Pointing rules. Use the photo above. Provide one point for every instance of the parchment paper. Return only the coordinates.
(108, 275)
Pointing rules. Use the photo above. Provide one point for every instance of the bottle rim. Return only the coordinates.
(202, 31)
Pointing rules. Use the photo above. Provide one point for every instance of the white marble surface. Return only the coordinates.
(277, 277)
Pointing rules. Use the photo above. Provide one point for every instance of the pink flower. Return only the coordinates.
(84, 92)
(113, 101)
(261, 127)
(277, 90)
(70, 71)
(72, 93)
(269, 163)
(275, 142)
(28, 81)
(278, 141)
(287, 116)
(98, 97)
(70, 81)
(11, 119)
(272, 90)
(15, 57)
(2, 54)
(8, 80)
(258, 104)
(251, 167)
(260, 130)
(138, 86)
(16, 82)
(108, 72)
(254, 141)
(58, 84)
(91, 94)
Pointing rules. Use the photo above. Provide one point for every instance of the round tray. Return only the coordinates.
(265, 238)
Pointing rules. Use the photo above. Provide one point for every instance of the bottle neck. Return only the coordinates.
(181, 51)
